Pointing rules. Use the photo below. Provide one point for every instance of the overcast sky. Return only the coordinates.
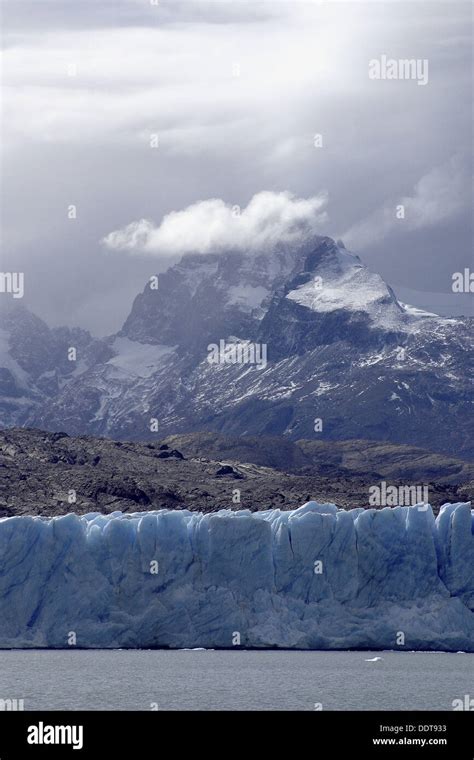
(236, 92)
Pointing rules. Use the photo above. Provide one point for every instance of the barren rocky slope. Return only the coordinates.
(39, 471)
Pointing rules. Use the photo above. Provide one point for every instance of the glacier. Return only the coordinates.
(313, 578)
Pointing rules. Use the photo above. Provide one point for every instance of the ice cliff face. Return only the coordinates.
(315, 578)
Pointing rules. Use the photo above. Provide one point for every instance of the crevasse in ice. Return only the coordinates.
(313, 578)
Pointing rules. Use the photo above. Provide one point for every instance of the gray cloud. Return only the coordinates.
(91, 14)
(86, 139)
(439, 196)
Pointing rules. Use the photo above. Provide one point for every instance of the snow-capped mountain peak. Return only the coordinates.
(337, 343)
(341, 281)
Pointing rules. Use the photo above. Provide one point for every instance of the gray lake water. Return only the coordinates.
(234, 680)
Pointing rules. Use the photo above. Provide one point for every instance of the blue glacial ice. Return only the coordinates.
(313, 578)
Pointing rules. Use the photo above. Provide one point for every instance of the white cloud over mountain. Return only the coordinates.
(212, 225)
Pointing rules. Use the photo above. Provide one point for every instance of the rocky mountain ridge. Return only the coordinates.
(344, 358)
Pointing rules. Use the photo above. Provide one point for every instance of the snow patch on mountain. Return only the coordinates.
(141, 359)
(340, 281)
(416, 312)
(9, 363)
(355, 289)
(246, 297)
